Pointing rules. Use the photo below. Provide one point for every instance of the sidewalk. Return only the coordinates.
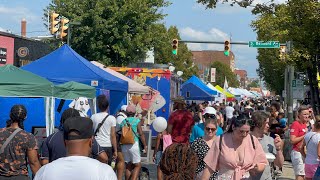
(287, 172)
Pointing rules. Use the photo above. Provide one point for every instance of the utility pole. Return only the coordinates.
(290, 95)
(286, 91)
(290, 70)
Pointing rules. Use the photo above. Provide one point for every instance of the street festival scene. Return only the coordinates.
(159, 89)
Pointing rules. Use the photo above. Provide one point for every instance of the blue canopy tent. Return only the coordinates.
(195, 89)
(64, 65)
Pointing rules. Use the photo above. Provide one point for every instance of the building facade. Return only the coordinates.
(19, 51)
(204, 59)
(242, 77)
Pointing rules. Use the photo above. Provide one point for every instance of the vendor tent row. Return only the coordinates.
(195, 89)
(62, 74)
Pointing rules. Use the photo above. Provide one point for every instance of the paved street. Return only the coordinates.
(287, 174)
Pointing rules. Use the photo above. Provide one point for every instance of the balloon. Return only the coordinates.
(160, 124)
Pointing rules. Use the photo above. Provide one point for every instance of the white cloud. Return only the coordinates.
(213, 34)
(245, 57)
(3, 30)
(16, 14)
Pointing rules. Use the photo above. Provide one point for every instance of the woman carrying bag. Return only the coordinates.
(132, 137)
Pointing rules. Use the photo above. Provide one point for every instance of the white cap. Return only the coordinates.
(124, 107)
(210, 110)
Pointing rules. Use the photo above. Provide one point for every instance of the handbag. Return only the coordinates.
(141, 147)
(127, 134)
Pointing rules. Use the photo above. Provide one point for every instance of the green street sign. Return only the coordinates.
(264, 44)
(294, 83)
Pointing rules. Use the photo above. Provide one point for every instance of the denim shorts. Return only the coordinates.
(158, 157)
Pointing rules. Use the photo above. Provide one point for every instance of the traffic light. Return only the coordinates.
(282, 52)
(175, 43)
(63, 27)
(226, 48)
(53, 22)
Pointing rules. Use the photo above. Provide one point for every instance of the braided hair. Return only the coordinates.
(179, 161)
(18, 114)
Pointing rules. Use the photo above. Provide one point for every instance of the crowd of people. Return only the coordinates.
(202, 141)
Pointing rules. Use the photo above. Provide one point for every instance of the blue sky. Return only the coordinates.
(192, 19)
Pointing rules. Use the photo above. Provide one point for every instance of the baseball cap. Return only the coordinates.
(210, 110)
(124, 107)
(131, 109)
(81, 127)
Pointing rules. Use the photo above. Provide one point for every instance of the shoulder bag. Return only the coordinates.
(100, 124)
(5, 144)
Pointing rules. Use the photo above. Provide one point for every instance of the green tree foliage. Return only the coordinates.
(254, 84)
(223, 71)
(115, 32)
(297, 21)
(257, 5)
(163, 52)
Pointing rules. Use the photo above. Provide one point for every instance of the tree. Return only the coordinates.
(163, 52)
(257, 8)
(223, 71)
(297, 21)
(254, 84)
(114, 32)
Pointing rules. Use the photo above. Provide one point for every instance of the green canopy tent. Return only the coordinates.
(15, 82)
(73, 90)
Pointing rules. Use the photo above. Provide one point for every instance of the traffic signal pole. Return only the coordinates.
(69, 31)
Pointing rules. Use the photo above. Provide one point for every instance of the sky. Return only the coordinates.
(193, 20)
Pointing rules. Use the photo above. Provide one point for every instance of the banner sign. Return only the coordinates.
(213, 74)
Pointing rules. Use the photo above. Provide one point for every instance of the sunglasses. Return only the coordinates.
(211, 116)
(211, 129)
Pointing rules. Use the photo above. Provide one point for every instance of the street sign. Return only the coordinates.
(264, 44)
(297, 89)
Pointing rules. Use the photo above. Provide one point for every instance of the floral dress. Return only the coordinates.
(201, 148)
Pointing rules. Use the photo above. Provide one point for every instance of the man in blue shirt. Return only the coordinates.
(198, 130)
(54, 148)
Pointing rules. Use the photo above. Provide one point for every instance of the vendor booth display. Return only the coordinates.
(64, 65)
(36, 94)
(228, 95)
(195, 89)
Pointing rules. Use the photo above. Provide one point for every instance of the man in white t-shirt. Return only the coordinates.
(78, 135)
(229, 111)
(104, 126)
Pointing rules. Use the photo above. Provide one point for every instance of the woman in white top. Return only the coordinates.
(310, 143)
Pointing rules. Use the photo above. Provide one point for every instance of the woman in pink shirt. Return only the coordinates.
(235, 155)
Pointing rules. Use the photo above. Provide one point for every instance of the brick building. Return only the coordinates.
(18, 50)
(203, 59)
(242, 77)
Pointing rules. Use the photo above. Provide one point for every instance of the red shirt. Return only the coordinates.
(298, 129)
(181, 121)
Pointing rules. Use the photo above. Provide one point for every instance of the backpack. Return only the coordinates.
(127, 134)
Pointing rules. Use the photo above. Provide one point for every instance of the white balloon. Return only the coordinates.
(159, 124)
